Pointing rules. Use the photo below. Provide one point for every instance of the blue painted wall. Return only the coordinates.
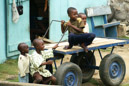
(2, 32)
(12, 34)
(58, 11)
(17, 32)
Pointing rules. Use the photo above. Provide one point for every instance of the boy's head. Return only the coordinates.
(23, 48)
(72, 13)
(83, 17)
(38, 44)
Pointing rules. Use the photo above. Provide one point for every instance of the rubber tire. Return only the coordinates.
(65, 69)
(81, 61)
(105, 66)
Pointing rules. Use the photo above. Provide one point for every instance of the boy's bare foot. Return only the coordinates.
(84, 47)
(67, 47)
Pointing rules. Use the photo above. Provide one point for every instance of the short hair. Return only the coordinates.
(35, 42)
(20, 46)
(70, 9)
(79, 15)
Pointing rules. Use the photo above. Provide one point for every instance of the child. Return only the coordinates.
(38, 63)
(75, 27)
(23, 63)
(84, 17)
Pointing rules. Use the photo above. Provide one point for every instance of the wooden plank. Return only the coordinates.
(96, 43)
(97, 11)
(111, 24)
(47, 40)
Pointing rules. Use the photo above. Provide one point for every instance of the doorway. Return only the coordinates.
(39, 18)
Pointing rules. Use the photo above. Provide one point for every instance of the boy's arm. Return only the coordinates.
(62, 26)
(45, 63)
(55, 46)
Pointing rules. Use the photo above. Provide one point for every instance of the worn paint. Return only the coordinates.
(2, 32)
(98, 11)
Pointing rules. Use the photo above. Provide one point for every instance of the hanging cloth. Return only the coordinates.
(15, 12)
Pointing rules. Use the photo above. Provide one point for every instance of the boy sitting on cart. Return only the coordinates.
(38, 63)
(75, 28)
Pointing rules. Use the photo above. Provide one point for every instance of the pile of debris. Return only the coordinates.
(120, 12)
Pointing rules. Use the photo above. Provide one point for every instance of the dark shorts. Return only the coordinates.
(75, 39)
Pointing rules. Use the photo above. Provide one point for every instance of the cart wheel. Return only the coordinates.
(84, 60)
(112, 70)
(69, 74)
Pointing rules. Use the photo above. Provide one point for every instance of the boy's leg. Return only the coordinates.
(90, 38)
(84, 47)
(53, 79)
(21, 79)
(27, 78)
(70, 40)
(46, 80)
(24, 79)
(37, 78)
(85, 39)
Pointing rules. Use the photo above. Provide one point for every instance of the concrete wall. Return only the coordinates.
(2, 32)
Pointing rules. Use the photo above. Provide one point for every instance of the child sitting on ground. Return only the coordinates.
(84, 17)
(38, 63)
(75, 27)
(23, 62)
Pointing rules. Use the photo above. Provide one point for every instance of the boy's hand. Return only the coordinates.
(69, 24)
(55, 46)
(62, 22)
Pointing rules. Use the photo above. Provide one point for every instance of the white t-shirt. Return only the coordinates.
(86, 29)
(23, 64)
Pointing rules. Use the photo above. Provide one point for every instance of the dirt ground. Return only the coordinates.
(122, 51)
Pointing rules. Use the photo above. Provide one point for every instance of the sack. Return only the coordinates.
(20, 8)
(15, 12)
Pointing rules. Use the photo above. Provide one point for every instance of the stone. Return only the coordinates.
(121, 30)
(127, 1)
(120, 15)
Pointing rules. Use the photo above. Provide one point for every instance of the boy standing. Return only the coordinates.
(23, 63)
(75, 27)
